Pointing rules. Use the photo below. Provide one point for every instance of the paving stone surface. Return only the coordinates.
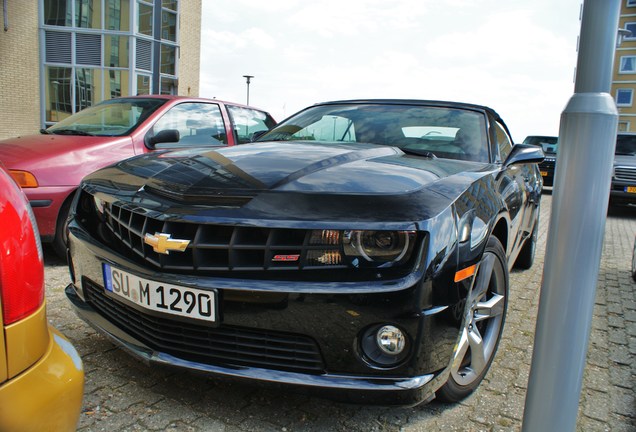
(122, 394)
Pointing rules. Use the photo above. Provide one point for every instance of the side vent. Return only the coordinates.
(88, 49)
(144, 55)
(58, 47)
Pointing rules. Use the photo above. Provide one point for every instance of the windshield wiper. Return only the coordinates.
(44, 132)
(274, 137)
(70, 132)
(425, 153)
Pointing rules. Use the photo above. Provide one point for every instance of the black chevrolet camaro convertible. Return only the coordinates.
(359, 250)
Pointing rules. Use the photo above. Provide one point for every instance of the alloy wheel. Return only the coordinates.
(485, 311)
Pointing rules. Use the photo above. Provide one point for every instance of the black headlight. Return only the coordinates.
(379, 246)
(360, 248)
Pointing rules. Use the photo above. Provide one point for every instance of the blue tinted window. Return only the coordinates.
(631, 26)
(624, 97)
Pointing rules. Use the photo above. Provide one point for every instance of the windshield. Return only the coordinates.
(626, 145)
(430, 131)
(549, 144)
(114, 117)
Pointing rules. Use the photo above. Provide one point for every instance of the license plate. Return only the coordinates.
(630, 189)
(544, 173)
(161, 297)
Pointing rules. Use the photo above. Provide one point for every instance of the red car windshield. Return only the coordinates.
(116, 117)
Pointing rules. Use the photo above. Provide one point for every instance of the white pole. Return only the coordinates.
(587, 139)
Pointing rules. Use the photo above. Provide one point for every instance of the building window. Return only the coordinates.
(631, 26)
(117, 15)
(168, 86)
(624, 97)
(631, 3)
(169, 25)
(88, 14)
(116, 84)
(168, 59)
(144, 18)
(58, 102)
(143, 84)
(627, 64)
(169, 4)
(100, 49)
(116, 51)
(58, 13)
(87, 87)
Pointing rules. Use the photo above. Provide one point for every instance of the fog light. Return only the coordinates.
(384, 346)
(390, 340)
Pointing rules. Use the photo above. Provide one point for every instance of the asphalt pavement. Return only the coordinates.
(123, 394)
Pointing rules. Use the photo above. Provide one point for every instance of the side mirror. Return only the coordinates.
(256, 135)
(524, 153)
(164, 136)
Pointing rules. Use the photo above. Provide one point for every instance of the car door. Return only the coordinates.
(512, 186)
(198, 124)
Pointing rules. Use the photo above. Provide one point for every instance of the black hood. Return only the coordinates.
(291, 166)
(296, 176)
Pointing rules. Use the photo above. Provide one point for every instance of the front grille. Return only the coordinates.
(215, 248)
(547, 164)
(224, 345)
(625, 174)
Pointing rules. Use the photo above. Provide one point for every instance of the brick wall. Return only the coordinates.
(19, 70)
(190, 43)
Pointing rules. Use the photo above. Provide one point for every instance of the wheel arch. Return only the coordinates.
(59, 238)
(500, 231)
(65, 204)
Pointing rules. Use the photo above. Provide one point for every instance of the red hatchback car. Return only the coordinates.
(50, 166)
(41, 373)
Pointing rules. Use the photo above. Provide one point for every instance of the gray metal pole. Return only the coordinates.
(587, 139)
(247, 80)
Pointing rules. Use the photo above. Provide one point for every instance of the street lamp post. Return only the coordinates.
(247, 80)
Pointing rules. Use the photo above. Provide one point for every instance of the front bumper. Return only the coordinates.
(334, 322)
(347, 388)
(620, 194)
(546, 169)
(48, 395)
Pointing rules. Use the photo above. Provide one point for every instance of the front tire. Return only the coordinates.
(60, 241)
(483, 323)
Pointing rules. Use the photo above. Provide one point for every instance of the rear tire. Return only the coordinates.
(483, 323)
(634, 262)
(525, 259)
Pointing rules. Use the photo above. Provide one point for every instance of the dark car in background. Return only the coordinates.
(360, 250)
(50, 166)
(623, 189)
(549, 144)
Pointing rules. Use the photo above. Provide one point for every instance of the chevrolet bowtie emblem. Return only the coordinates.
(162, 243)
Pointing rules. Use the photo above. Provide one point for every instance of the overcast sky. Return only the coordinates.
(517, 57)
